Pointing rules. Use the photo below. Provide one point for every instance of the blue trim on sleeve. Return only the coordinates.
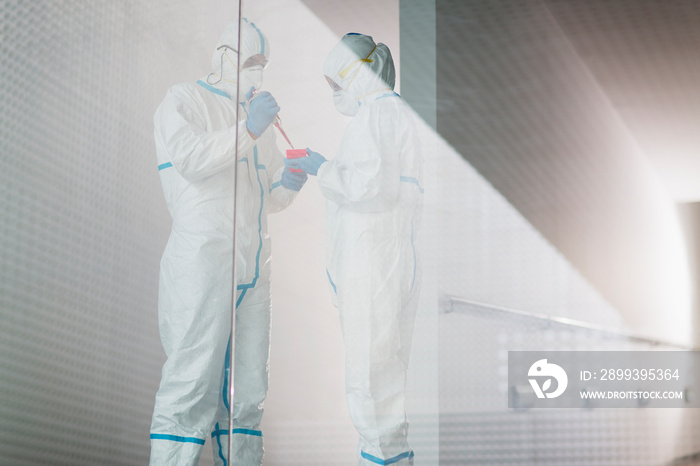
(213, 89)
(395, 459)
(163, 166)
(175, 438)
(410, 179)
(276, 184)
(335, 290)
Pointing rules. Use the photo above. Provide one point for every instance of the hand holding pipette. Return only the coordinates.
(291, 153)
(263, 111)
(252, 97)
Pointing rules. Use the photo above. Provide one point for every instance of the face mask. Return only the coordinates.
(346, 103)
(251, 77)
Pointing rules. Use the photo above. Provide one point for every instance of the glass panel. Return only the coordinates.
(537, 204)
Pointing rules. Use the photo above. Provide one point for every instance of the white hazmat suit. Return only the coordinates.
(195, 137)
(374, 198)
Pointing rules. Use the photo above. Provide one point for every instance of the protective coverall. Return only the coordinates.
(374, 198)
(195, 141)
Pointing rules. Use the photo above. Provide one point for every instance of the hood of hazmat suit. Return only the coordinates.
(224, 61)
(360, 68)
(374, 194)
(200, 148)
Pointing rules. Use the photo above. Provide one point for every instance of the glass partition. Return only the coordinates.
(520, 187)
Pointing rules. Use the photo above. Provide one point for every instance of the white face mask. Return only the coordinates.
(346, 103)
(251, 77)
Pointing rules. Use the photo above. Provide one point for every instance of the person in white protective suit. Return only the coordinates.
(195, 134)
(374, 198)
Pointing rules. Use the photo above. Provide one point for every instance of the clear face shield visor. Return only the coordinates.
(257, 62)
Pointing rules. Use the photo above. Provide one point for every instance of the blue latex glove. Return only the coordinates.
(293, 181)
(263, 109)
(310, 164)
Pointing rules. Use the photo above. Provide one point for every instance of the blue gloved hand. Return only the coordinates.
(263, 109)
(310, 164)
(293, 181)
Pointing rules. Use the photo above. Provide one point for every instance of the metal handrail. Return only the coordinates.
(450, 302)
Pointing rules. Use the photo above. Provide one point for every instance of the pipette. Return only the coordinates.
(278, 120)
(279, 127)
